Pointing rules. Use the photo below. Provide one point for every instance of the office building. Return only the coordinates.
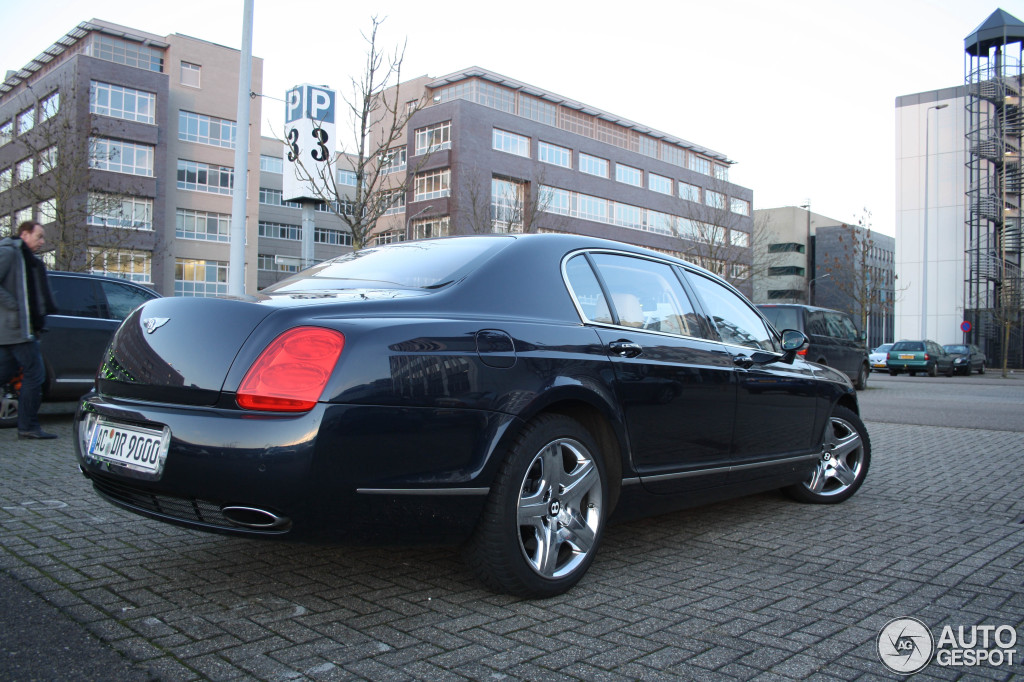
(958, 201)
(122, 143)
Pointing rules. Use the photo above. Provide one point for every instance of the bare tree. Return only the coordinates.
(376, 151)
(87, 219)
(860, 283)
(492, 203)
(719, 235)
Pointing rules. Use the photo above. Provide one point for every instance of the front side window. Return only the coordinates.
(122, 299)
(434, 138)
(511, 143)
(593, 165)
(737, 323)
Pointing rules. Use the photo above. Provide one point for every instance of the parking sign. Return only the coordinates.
(309, 127)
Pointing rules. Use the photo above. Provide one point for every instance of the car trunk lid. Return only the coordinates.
(178, 350)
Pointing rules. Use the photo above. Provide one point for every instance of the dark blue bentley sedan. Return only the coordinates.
(510, 392)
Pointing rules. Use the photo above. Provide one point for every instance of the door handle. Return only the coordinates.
(742, 361)
(625, 349)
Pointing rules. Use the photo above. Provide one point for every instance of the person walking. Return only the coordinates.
(25, 301)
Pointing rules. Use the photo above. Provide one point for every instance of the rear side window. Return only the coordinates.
(75, 296)
(783, 318)
(816, 324)
(645, 294)
(122, 299)
(840, 326)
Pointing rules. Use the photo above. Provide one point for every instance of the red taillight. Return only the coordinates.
(802, 352)
(290, 375)
(926, 358)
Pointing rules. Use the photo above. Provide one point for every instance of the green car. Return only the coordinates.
(919, 356)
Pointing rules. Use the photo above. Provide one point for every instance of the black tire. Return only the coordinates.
(8, 408)
(862, 378)
(913, 374)
(893, 373)
(845, 459)
(981, 370)
(510, 550)
(933, 370)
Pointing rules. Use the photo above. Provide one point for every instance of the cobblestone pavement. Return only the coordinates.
(760, 587)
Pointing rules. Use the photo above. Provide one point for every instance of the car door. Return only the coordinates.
(843, 339)
(77, 334)
(675, 386)
(779, 406)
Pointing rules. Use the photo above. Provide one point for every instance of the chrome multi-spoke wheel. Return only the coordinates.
(546, 511)
(843, 463)
(8, 407)
(559, 509)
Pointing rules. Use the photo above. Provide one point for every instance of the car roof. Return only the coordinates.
(102, 278)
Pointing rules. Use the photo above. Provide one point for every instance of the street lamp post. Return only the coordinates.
(408, 221)
(808, 269)
(924, 239)
(809, 302)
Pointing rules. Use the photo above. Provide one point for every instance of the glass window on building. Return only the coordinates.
(659, 183)
(114, 210)
(689, 192)
(202, 225)
(119, 156)
(196, 277)
(49, 106)
(393, 161)
(117, 101)
(130, 264)
(740, 239)
(190, 74)
(739, 206)
(629, 175)
(271, 164)
(26, 120)
(433, 184)
(428, 228)
(218, 132)
(204, 177)
(555, 155)
(6, 132)
(434, 138)
(593, 165)
(511, 143)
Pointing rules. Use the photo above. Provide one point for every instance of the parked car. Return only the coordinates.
(879, 358)
(967, 358)
(89, 310)
(509, 391)
(834, 339)
(919, 356)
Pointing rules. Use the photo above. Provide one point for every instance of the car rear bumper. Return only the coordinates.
(342, 471)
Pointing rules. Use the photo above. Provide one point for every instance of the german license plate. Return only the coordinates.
(906, 357)
(132, 446)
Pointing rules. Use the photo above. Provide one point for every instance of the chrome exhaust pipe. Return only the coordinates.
(257, 519)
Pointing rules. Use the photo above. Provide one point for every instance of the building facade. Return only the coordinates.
(122, 143)
(485, 153)
(808, 258)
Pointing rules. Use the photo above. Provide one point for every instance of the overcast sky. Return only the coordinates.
(800, 94)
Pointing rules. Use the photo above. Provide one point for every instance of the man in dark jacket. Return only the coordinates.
(24, 303)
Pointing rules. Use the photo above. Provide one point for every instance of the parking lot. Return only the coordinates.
(760, 587)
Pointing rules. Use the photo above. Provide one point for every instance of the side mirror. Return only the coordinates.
(792, 341)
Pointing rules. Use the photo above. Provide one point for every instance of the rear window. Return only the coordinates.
(908, 345)
(408, 265)
(784, 318)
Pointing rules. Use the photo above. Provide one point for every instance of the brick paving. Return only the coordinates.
(758, 588)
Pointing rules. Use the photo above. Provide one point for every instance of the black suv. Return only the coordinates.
(834, 338)
(89, 310)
